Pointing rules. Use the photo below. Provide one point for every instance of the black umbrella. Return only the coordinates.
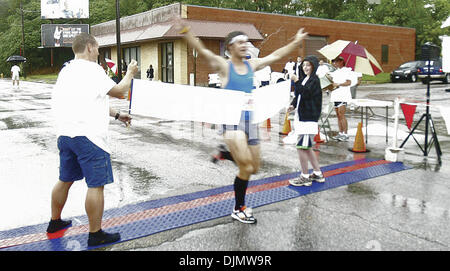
(16, 58)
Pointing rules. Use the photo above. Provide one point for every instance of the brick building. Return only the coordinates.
(150, 38)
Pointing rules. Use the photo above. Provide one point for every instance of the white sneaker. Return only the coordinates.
(244, 215)
(338, 137)
(301, 181)
(343, 138)
(317, 178)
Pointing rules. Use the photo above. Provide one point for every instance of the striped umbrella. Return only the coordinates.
(111, 65)
(354, 55)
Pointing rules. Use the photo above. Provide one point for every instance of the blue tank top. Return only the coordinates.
(240, 82)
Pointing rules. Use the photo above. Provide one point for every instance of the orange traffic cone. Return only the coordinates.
(359, 145)
(317, 138)
(287, 125)
(266, 124)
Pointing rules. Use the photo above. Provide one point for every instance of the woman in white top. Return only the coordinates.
(341, 95)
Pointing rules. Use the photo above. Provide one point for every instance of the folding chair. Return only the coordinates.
(324, 124)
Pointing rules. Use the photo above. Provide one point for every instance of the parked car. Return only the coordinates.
(406, 71)
(436, 72)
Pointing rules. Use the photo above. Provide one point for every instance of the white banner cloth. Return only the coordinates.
(269, 100)
(445, 113)
(202, 104)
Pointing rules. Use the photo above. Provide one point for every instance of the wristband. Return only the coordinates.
(117, 115)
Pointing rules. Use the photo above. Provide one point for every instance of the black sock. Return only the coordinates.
(240, 188)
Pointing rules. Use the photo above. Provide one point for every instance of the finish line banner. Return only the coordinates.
(202, 104)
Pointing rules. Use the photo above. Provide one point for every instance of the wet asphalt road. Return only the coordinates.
(153, 159)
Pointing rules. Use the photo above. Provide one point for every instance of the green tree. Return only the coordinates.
(426, 16)
(321, 8)
(438, 10)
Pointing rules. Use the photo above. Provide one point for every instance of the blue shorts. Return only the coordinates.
(80, 158)
(305, 142)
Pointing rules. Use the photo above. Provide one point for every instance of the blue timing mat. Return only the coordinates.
(146, 218)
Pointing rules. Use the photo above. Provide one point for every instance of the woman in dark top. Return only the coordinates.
(308, 101)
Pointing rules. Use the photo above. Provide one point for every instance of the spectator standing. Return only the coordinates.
(341, 95)
(150, 73)
(15, 70)
(57, 36)
(298, 70)
(308, 101)
(289, 68)
(322, 70)
(81, 110)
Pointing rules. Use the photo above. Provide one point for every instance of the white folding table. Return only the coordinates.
(368, 104)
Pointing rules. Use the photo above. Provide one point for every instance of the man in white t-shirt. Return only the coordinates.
(80, 103)
(289, 67)
(57, 36)
(15, 70)
(322, 70)
(298, 68)
(341, 95)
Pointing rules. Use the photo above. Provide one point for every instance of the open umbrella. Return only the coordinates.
(16, 58)
(111, 65)
(354, 55)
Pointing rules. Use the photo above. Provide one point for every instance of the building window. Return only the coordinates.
(222, 48)
(314, 43)
(105, 52)
(167, 62)
(132, 53)
(384, 53)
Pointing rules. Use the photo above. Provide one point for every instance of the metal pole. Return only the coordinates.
(119, 50)
(427, 117)
(387, 125)
(23, 40)
(51, 51)
(194, 53)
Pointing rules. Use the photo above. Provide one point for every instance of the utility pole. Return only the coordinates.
(23, 40)
(119, 50)
(51, 50)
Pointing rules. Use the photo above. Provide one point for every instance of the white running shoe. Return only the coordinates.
(244, 215)
(343, 138)
(317, 178)
(301, 181)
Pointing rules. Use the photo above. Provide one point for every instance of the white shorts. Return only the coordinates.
(15, 77)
